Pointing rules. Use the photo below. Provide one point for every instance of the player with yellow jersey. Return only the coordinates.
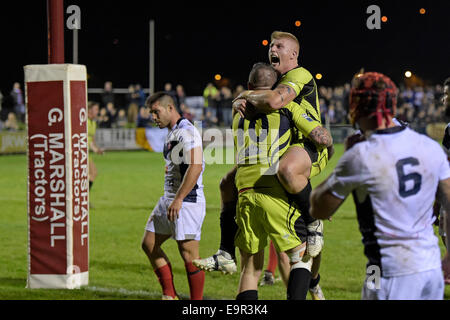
(93, 109)
(264, 209)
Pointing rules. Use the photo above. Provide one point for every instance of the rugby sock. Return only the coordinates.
(314, 282)
(298, 285)
(90, 184)
(302, 201)
(273, 259)
(196, 279)
(248, 295)
(165, 278)
(228, 228)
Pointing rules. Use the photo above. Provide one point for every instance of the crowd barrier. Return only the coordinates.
(152, 139)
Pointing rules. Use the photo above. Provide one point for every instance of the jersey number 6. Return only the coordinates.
(403, 178)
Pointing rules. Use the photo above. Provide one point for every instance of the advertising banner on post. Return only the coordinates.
(58, 183)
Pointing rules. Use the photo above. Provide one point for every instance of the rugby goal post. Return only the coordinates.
(58, 183)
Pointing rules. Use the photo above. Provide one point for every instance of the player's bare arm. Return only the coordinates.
(267, 100)
(321, 137)
(189, 181)
(323, 203)
(444, 198)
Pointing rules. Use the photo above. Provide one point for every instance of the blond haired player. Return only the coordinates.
(298, 164)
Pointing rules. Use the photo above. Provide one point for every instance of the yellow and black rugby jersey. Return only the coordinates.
(305, 87)
(260, 143)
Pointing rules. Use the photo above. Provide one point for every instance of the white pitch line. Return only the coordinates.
(125, 292)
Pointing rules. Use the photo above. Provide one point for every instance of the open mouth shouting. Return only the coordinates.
(274, 60)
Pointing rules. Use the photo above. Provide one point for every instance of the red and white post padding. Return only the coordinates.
(58, 183)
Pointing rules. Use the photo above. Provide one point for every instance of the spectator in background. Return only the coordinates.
(122, 119)
(180, 96)
(132, 104)
(103, 119)
(18, 101)
(108, 94)
(141, 94)
(143, 118)
(224, 106)
(11, 123)
(210, 95)
(169, 90)
(132, 96)
(239, 89)
(112, 114)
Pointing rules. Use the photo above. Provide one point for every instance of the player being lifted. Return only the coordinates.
(264, 209)
(297, 165)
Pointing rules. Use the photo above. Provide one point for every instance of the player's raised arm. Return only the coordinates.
(269, 100)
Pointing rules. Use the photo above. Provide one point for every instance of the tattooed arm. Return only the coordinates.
(322, 138)
(269, 100)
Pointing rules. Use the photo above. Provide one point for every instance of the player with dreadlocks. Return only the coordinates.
(393, 174)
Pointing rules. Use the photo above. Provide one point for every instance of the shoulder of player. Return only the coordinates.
(186, 129)
(298, 73)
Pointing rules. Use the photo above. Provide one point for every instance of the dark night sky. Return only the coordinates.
(195, 42)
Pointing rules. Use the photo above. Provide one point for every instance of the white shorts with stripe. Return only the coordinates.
(187, 227)
(426, 285)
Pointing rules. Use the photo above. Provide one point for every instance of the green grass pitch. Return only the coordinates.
(128, 186)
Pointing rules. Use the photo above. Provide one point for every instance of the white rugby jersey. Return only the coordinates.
(182, 138)
(394, 177)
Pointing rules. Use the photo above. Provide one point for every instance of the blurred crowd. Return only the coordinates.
(417, 105)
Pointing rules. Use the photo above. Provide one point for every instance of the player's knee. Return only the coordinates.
(148, 246)
(298, 260)
(286, 176)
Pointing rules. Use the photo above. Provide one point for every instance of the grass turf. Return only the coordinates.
(128, 186)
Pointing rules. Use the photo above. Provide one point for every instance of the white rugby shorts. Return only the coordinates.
(187, 227)
(426, 285)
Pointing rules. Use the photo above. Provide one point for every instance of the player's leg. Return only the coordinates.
(300, 275)
(294, 170)
(314, 288)
(269, 274)
(92, 175)
(92, 172)
(224, 260)
(228, 198)
(294, 173)
(251, 269)
(287, 230)
(151, 244)
(284, 267)
(189, 250)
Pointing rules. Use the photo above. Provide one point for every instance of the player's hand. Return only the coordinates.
(240, 106)
(446, 268)
(353, 139)
(173, 212)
